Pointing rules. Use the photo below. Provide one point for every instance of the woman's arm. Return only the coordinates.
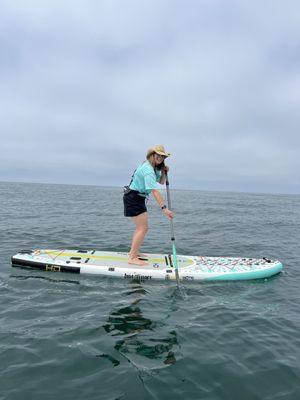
(162, 180)
(161, 203)
(163, 177)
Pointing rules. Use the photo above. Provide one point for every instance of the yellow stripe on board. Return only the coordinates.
(86, 255)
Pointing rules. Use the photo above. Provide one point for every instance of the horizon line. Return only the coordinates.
(163, 188)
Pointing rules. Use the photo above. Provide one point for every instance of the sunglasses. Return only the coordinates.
(160, 156)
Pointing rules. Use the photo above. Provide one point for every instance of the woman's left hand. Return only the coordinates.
(166, 169)
(168, 213)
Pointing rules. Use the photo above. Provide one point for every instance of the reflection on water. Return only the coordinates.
(140, 339)
(114, 362)
(46, 278)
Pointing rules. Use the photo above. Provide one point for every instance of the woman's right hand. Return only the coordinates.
(168, 213)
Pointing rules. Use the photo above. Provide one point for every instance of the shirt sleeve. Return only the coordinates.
(150, 181)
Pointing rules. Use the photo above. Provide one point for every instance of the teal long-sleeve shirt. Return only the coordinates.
(145, 178)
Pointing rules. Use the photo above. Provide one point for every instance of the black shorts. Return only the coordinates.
(134, 204)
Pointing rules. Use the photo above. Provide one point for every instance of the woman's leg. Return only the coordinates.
(141, 222)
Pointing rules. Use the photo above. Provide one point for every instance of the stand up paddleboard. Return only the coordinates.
(193, 268)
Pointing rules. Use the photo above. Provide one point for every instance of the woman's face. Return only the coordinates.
(158, 159)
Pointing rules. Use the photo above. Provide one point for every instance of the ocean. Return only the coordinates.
(65, 336)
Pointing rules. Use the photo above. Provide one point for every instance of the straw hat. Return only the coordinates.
(158, 149)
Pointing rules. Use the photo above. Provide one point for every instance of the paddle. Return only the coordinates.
(172, 231)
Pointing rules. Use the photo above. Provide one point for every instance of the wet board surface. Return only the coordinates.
(160, 266)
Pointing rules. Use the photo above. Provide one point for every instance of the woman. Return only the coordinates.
(143, 182)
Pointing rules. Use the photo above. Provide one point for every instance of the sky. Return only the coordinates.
(87, 87)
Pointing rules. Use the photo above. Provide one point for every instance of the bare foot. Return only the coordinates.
(137, 261)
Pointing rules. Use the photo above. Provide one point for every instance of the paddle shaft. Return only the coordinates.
(172, 231)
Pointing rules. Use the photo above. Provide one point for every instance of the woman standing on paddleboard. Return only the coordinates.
(143, 182)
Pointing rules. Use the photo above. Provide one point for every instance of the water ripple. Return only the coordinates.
(80, 336)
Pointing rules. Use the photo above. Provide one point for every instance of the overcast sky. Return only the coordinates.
(86, 87)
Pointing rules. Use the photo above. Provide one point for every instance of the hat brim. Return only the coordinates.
(161, 153)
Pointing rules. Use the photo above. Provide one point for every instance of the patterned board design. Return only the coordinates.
(160, 266)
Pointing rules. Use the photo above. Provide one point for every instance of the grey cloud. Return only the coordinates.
(87, 87)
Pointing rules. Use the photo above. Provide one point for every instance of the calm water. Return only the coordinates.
(65, 336)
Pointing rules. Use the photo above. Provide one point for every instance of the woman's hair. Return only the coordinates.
(149, 155)
(158, 167)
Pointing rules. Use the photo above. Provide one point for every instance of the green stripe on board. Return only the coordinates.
(55, 253)
(104, 257)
